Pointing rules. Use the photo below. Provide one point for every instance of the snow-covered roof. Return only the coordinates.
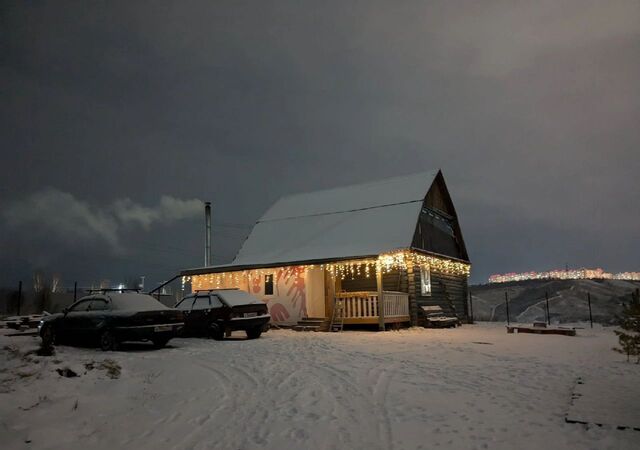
(388, 191)
(353, 221)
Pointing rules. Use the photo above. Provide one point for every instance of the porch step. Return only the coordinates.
(306, 328)
(318, 322)
(312, 324)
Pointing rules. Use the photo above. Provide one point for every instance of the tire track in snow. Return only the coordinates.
(370, 418)
(380, 393)
(228, 401)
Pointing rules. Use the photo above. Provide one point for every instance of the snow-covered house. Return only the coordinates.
(386, 248)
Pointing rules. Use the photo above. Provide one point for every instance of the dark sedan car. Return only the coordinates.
(218, 312)
(109, 318)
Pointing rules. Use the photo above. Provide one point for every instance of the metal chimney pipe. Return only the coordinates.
(207, 237)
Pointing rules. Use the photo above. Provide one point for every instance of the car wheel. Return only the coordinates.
(254, 333)
(215, 332)
(48, 336)
(108, 341)
(160, 342)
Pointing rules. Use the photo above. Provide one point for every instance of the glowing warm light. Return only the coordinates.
(395, 261)
(342, 270)
(571, 274)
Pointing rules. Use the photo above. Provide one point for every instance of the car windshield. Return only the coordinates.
(236, 297)
(82, 305)
(98, 305)
(202, 302)
(135, 302)
(185, 304)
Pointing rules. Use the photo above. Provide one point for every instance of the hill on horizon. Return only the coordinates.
(567, 300)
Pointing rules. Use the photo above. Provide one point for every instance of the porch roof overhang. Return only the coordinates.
(240, 267)
(306, 262)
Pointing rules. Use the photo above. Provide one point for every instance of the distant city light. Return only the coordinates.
(562, 274)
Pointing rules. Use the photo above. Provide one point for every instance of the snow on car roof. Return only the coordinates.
(129, 301)
(236, 297)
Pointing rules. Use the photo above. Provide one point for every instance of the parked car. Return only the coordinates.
(110, 317)
(217, 313)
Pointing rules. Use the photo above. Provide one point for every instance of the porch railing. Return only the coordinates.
(396, 304)
(364, 305)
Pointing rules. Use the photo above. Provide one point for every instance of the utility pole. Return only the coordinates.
(207, 238)
(589, 302)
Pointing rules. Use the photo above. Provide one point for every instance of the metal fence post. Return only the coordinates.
(546, 297)
(19, 296)
(589, 302)
(75, 291)
(506, 302)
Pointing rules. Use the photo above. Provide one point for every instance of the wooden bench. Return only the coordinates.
(540, 330)
(435, 317)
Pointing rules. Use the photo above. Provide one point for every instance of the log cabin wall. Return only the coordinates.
(456, 286)
(438, 231)
(409, 281)
(395, 280)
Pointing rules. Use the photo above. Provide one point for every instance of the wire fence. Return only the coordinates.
(29, 299)
(549, 307)
(502, 305)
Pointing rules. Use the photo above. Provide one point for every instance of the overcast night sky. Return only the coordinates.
(118, 117)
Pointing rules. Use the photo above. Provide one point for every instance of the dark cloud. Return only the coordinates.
(60, 216)
(54, 215)
(53, 230)
(531, 110)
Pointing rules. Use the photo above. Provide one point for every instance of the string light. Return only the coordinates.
(397, 261)
(352, 269)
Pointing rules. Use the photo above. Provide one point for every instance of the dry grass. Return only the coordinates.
(113, 368)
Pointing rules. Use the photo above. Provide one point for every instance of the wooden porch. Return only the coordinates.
(362, 307)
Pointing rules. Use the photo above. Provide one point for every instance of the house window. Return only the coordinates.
(268, 284)
(425, 281)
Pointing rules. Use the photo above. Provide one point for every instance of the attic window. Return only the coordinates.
(439, 219)
(268, 284)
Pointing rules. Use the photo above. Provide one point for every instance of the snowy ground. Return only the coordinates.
(466, 388)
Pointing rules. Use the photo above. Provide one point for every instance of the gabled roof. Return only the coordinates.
(381, 193)
(347, 222)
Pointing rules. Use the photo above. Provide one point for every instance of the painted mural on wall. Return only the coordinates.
(287, 304)
(284, 290)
